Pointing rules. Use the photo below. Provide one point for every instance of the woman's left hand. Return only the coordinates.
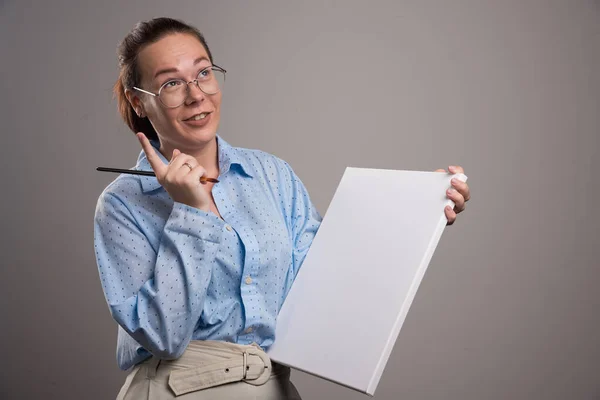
(459, 194)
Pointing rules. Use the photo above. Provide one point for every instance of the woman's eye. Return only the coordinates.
(205, 73)
(171, 85)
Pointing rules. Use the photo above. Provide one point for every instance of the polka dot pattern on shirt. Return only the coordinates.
(172, 273)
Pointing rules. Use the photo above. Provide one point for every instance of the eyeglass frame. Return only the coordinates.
(187, 85)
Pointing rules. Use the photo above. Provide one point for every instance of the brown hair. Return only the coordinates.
(142, 34)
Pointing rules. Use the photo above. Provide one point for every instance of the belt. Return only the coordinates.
(247, 363)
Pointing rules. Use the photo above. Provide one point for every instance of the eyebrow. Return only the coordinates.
(169, 70)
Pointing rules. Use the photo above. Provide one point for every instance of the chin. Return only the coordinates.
(206, 132)
(201, 137)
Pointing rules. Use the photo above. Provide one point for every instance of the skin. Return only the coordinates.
(181, 143)
(459, 193)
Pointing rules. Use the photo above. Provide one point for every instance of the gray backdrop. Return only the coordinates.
(508, 89)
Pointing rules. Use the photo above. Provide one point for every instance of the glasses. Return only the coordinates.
(174, 92)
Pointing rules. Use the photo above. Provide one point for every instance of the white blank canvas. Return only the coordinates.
(345, 309)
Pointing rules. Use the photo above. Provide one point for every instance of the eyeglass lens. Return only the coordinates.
(174, 92)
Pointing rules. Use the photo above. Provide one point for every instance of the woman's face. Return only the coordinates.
(177, 56)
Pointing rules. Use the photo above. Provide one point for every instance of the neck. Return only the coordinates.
(206, 155)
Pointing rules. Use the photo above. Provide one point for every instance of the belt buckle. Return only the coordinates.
(265, 374)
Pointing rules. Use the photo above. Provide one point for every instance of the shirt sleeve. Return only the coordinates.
(156, 295)
(305, 220)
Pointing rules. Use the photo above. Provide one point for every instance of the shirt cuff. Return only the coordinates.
(193, 221)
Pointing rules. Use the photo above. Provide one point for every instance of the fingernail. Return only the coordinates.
(452, 167)
(448, 208)
(451, 191)
(454, 180)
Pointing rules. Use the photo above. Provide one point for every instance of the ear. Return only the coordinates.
(135, 102)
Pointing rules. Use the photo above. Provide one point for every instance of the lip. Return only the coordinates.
(199, 123)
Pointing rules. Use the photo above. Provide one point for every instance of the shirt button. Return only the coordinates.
(249, 330)
(248, 280)
(228, 227)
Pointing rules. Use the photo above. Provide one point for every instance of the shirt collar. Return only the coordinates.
(228, 156)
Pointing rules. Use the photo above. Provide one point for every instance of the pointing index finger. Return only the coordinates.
(156, 163)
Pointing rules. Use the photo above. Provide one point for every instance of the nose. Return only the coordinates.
(194, 93)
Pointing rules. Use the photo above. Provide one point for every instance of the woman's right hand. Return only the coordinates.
(180, 178)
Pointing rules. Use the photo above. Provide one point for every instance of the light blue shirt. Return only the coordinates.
(172, 273)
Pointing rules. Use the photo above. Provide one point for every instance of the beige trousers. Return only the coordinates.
(210, 370)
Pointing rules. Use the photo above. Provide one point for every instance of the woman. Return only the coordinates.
(195, 272)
